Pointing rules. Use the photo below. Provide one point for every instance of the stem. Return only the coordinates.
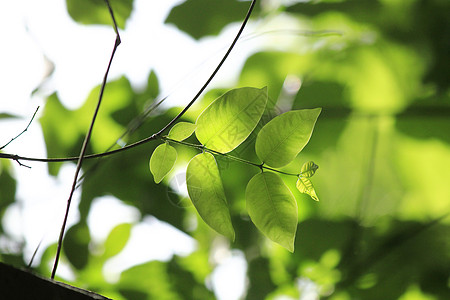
(26, 128)
(85, 143)
(235, 158)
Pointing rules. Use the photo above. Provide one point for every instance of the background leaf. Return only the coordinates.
(162, 161)
(147, 281)
(206, 192)
(272, 208)
(215, 15)
(181, 131)
(7, 116)
(64, 129)
(96, 11)
(117, 239)
(230, 119)
(280, 140)
(76, 242)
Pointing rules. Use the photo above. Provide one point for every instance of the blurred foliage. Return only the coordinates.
(7, 116)
(211, 23)
(381, 229)
(96, 12)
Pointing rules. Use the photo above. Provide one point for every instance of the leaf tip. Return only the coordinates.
(289, 245)
(231, 235)
(157, 180)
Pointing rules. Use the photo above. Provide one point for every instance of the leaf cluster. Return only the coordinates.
(225, 124)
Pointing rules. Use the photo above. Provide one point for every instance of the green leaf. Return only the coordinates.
(308, 169)
(181, 131)
(280, 140)
(206, 192)
(152, 89)
(162, 161)
(96, 11)
(64, 130)
(132, 283)
(76, 245)
(305, 186)
(8, 186)
(117, 239)
(272, 208)
(7, 116)
(231, 118)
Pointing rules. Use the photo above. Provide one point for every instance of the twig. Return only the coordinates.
(21, 164)
(34, 254)
(26, 128)
(85, 143)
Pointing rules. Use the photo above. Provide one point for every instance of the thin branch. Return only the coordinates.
(88, 156)
(22, 165)
(26, 128)
(85, 143)
(304, 33)
(34, 254)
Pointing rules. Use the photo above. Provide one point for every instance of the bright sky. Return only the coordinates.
(34, 31)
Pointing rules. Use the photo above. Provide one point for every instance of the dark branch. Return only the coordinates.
(85, 143)
(26, 128)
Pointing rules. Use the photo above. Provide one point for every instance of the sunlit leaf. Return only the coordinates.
(96, 11)
(308, 169)
(162, 161)
(206, 192)
(182, 131)
(117, 239)
(280, 140)
(305, 186)
(272, 208)
(231, 118)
